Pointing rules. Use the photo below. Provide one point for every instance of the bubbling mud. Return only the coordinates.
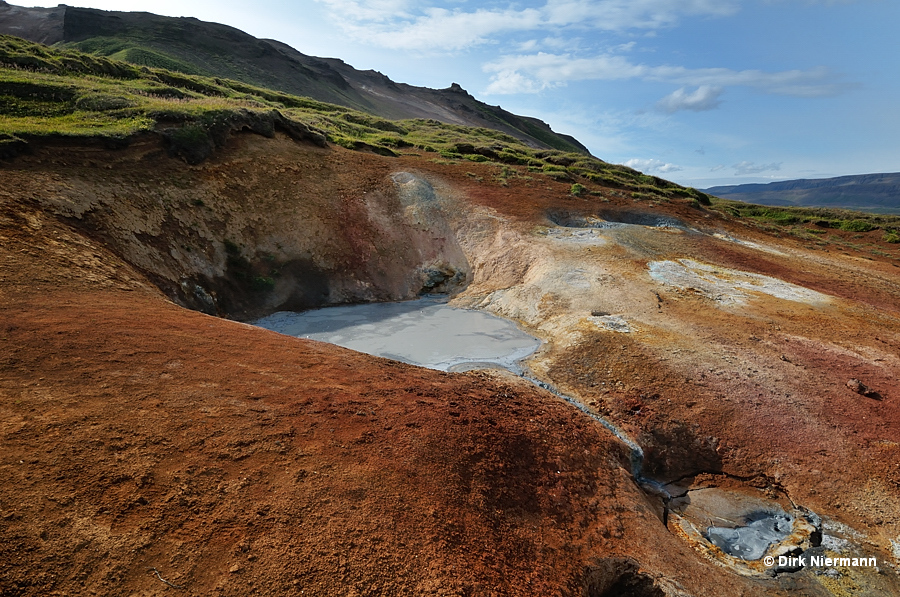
(737, 527)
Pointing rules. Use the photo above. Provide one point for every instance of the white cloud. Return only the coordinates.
(378, 11)
(652, 166)
(618, 15)
(412, 25)
(706, 97)
(510, 82)
(544, 70)
(743, 168)
(816, 82)
(441, 29)
(560, 43)
(828, 2)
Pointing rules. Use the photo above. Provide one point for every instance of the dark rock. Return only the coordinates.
(441, 279)
(11, 146)
(862, 389)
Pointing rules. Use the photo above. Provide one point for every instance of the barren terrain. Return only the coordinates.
(152, 447)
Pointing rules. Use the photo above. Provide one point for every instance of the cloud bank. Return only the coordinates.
(450, 26)
(428, 26)
(543, 70)
(745, 168)
(705, 97)
(652, 166)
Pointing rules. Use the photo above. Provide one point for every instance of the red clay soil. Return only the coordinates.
(148, 449)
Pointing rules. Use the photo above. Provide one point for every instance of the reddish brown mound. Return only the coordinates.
(140, 436)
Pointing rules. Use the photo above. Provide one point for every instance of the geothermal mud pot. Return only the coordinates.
(685, 413)
(424, 332)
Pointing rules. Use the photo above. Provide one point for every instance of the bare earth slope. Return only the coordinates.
(149, 448)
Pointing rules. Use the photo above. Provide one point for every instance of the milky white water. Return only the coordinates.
(425, 332)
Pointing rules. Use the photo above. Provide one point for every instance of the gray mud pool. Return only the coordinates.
(425, 332)
(750, 542)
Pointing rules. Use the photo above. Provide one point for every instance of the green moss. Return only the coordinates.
(102, 102)
(154, 59)
(817, 220)
(780, 217)
(190, 136)
(857, 226)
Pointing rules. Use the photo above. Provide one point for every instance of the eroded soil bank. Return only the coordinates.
(143, 441)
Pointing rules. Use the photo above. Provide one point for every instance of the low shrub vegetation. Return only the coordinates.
(812, 222)
(857, 226)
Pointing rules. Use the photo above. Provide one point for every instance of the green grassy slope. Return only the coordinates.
(812, 223)
(196, 47)
(48, 91)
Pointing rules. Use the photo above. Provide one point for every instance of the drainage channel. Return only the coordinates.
(635, 450)
(741, 530)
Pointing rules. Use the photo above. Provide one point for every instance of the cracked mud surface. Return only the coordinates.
(143, 441)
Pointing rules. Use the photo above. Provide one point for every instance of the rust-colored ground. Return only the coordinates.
(150, 449)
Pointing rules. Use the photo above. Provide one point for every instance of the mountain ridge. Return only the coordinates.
(192, 46)
(859, 191)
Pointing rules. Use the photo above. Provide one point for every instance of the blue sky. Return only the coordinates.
(702, 92)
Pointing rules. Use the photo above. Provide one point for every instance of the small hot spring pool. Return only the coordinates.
(751, 541)
(425, 332)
